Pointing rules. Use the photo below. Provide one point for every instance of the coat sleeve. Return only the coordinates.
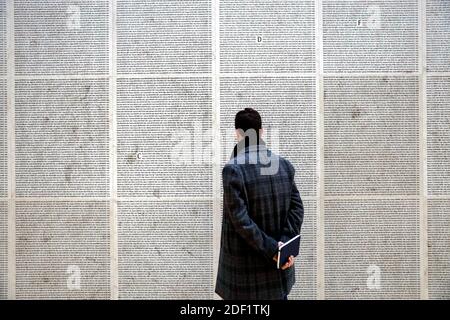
(295, 213)
(236, 209)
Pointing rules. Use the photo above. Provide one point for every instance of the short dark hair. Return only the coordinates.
(248, 119)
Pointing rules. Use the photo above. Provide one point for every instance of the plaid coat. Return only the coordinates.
(258, 211)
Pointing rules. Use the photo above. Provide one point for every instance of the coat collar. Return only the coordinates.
(244, 146)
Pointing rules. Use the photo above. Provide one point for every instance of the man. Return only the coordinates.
(262, 209)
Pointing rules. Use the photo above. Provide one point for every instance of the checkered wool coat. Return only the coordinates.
(258, 211)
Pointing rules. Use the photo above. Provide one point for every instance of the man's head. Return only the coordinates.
(247, 119)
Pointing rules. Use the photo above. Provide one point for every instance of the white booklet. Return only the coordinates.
(287, 249)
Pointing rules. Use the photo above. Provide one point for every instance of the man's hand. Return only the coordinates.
(289, 263)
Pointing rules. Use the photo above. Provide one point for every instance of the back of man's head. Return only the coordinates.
(248, 119)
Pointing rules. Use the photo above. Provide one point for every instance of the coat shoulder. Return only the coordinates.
(230, 169)
(285, 166)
